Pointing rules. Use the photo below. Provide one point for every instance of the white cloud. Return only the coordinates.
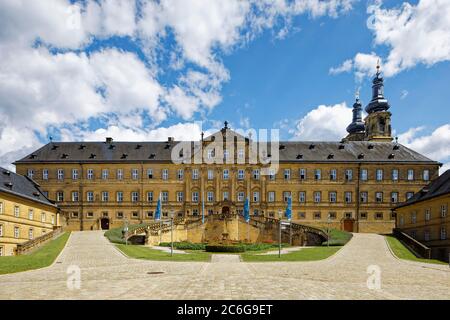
(404, 94)
(436, 145)
(324, 123)
(47, 80)
(413, 34)
(362, 64)
(346, 66)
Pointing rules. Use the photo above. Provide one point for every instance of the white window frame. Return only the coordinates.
(302, 196)
(286, 196)
(44, 174)
(105, 196)
(364, 196)
(427, 214)
(332, 196)
(165, 196)
(43, 217)
(180, 174)
(317, 174)
(364, 174)
(379, 175)
(271, 196)
(90, 196)
(16, 232)
(30, 234)
(317, 196)
(1, 207)
(210, 196)
(394, 197)
(119, 174)
(119, 196)
(241, 174)
(410, 175)
(210, 174)
(195, 174)
(134, 196)
(226, 196)
(75, 196)
(226, 174)
(195, 196)
(426, 175)
(241, 196)
(443, 210)
(333, 174)
(376, 196)
(60, 174)
(149, 173)
(394, 175)
(105, 174)
(348, 198)
(255, 197)
(74, 174)
(30, 173)
(30, 214)
(443, 233)
(165, 174)
(90, 174)
(150, 196)
(287, 174)
(302, 174)
(349, 174)
(180, 196)
(134, 174)
(256, 174)
(16, 211)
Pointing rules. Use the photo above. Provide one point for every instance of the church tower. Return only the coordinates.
(356, 129)
(378, 120)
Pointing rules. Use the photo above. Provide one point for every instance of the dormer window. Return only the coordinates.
(312, 146)
(370, 147)
(299, 156)
(331, 156)
(92, 156)
(124, 156)
(139, 146)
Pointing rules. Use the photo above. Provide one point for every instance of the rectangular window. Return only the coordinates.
(180, 174)
(90, 196)
(333, 174)
(180, 196)
(105, 196)
(226, 173)
(271, 196)
(53, 219)
(74, 174)
(349, 174)
(410, 174)
(317, 196)
(317, 215)
(135, 215)
(119, 174)
(90, 174)
(256, 174)
(165, 196)
(394, 175)
(427, 214)
(225, 196)
(210, 196)
(379, 174)
(60, 174)
(119, 215)
(30, 234)
(348, 215)
(240, 196)
(150, 196)
(30, 173)
(45, 174)
(272, 174)
(426, 175)
(409, 195)
(105, 174)
(363, 215)
(119, 196)
(364, 174)
(364, 197)
(301, 215)
(302, 196)
(75, 197)
(210, 153)
(240, 174)
(394, 197)
(210, 174)
(443, 211)
(149, 214)
(317, 174)
(30, 214)
(16, 232)
(195, 212)
(195, 196)
(241, 154)
(413, 217)
(443, 233)
(43, 217)
(90, 215)
(332, 197)
(150, 173)
(1, 207)
(348, 197)
(1, 230)
(302, 174)
(195, 174)
(134, 196)
(379, 197)
(165, 174)
(60, 196)
(226, 154)
(286, 196)
(17, 211)
(287, 174)
(134, 174)
(379, 216)
(255, 196)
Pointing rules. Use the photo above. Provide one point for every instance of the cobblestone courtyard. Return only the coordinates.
(107, 274)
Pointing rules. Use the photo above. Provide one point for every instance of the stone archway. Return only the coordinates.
(104, 223)
(226, 210)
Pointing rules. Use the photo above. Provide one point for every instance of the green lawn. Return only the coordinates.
(306, 254)
(42, 257)
(142, 252)
(403, 252)
(338, 237)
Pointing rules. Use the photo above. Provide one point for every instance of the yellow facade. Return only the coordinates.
(22, 220)
(78, 213)
(428, 221)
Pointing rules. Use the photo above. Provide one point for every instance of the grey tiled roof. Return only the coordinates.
(439, 186)
(290, 151)
(19, 185)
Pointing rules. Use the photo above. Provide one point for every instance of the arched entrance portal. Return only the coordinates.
(226, 210)
(104, 223)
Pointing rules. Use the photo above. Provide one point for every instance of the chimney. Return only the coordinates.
(109, 140)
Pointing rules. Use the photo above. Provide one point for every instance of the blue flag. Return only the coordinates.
(158, 209)
(247, 210)
(289, 209)
(203, 208)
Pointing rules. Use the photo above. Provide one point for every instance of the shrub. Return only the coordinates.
(184, 245)
(224, 248)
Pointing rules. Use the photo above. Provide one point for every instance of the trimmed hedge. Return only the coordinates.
(224, 248)
(184, 245)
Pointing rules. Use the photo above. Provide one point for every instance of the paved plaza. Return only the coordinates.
(107, 274)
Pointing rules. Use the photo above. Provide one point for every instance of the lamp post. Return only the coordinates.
(279, 233)
(171, 232)
(328, 229)
(125, 229)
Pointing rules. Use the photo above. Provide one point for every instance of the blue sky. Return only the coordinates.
(140, 70)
